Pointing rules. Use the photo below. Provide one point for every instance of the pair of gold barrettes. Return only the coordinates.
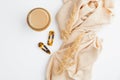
(49, 42)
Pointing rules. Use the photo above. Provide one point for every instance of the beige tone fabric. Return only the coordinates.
(78, 21)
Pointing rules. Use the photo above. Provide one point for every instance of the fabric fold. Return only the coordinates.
(79, 22)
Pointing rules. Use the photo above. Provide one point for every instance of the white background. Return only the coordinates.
(20, 57)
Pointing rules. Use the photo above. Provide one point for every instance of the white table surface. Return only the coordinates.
(20, 57)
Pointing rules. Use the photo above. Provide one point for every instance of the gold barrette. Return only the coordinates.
(50, 38)
(43, 47)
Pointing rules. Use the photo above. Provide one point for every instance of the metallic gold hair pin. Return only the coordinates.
(43, 47)
(50, 38)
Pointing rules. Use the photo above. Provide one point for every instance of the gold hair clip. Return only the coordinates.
(50, 38)
(43, 47)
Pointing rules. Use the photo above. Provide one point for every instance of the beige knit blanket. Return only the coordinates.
(78, 21)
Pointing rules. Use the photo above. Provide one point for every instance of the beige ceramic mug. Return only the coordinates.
(38, 19)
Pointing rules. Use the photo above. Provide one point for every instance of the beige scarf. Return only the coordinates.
(78, 21)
